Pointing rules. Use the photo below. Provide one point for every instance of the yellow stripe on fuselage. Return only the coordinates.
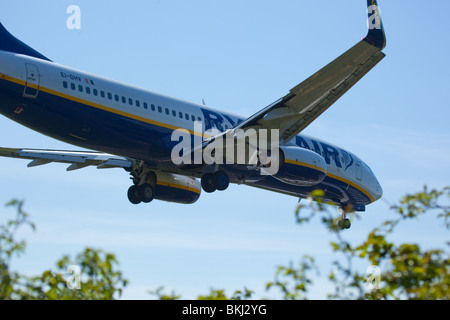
(307, 165)
(102, 107)
(168, 126)
(354, 185)
(303, 164)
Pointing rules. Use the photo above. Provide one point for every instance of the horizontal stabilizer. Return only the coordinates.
(11, 44)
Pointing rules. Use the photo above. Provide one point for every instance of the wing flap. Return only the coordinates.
(315, 95)
(76, 159)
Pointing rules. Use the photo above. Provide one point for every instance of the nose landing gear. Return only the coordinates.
(344, 222)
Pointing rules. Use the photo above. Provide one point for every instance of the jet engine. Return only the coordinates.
(300, 167)
(176, 188)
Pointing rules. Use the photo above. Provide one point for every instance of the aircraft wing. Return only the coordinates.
(306, 101)
(77, 160)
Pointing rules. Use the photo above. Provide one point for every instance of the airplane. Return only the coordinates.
(132, 128)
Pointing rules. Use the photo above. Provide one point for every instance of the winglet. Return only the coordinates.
(10, 43)
(376, 35)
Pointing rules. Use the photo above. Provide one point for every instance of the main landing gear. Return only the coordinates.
(142, 193)
(142, 189)
(215, 181)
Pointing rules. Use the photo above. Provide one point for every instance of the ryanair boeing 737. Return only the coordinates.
(147, 133)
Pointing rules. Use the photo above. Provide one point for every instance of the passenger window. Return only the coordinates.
(88, 90)
(186, 116)
(102, 93)
(80, 88)
(130, 101)
(145, 105)
(124, 100)
(95, 92)
(180, 114)
(193, 118)
(138, 104)
(65, 84)
(109, 95)
(116, 97)
(159, 109)
(174, 113)
(167, 111)
(153, 107)
(72, 86)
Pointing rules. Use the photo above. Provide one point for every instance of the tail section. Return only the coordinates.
(11, 44)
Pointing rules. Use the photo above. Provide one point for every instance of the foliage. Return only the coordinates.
(160, 295)
(406, 270)
(213, 294)
(402, 270)
(10, 247)
(220, 295)
(99, 278)
(296, 281)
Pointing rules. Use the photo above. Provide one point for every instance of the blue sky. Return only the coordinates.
(238, 57)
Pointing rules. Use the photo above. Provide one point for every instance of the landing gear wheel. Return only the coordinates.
(145, 193)
(207, 183)
(133, 195)
(344, 224)
(220, 180)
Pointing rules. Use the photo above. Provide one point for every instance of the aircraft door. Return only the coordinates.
(31, 89)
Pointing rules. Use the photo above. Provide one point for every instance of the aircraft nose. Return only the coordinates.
(373, 186)
(378, 192)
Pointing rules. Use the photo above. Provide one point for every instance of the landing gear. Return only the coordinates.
(344, 222)
(138, 194)
(208, 183)
(142, 189)
(215, 181)
(133, 195)
(146, 193)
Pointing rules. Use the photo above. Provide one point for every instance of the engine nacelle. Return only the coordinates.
(301, 167)
(176, 188)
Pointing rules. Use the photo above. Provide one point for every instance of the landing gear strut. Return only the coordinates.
(215, 181)
(344, 222)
